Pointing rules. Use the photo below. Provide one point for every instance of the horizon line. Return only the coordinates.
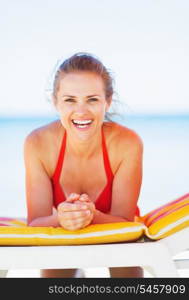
(129, 114)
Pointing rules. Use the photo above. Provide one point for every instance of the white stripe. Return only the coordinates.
(76, 236)
(167, 228)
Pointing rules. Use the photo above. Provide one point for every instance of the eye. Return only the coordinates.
(69, 100)
(93, 99)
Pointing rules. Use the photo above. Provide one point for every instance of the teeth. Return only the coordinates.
(81, 126)
(82, 122)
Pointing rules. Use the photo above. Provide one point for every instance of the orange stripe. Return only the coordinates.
(166, 213)
(166, 209)
(170, 203)
(148, 217)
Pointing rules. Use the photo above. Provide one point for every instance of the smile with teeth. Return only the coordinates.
(82, 123)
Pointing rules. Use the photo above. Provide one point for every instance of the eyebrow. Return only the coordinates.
(70, 96)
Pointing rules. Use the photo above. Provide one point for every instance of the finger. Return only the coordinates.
(72, 197)
(90, 205)
(74, 215)
(65, 206)
(81, 203)
(75, 224)
(84, 198)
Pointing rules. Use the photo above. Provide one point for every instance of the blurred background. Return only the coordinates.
(144, 43)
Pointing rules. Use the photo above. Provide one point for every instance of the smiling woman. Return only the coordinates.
(81, 170)
(81, 107)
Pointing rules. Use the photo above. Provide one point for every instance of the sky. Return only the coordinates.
(145, 43)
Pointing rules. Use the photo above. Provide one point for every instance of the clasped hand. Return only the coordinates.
(76, 212)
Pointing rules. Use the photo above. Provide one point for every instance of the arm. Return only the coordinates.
(101, 218)
(126, 185)
(39, 194)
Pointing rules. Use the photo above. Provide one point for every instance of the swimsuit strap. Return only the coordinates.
(107, 166)
(58, 169)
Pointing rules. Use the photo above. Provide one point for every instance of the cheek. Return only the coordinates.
(63, 114)
(100, 115)
(101, 108)
(64, 110)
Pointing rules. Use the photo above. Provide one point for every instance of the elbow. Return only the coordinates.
(30, 223)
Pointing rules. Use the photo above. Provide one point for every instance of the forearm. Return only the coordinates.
(98, 218)
(49, 221)
(101, 218)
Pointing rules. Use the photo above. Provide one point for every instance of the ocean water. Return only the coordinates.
(165, 165)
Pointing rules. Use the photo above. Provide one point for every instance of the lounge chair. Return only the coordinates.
(157, 257)
(153, 241)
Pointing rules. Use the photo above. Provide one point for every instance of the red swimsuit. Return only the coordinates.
(103, 203)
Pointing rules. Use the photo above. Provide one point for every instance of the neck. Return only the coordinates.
(84, 149)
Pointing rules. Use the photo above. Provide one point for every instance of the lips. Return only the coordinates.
(82, 125)
(82, 122)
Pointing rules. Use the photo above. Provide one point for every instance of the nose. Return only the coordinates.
(81, 108)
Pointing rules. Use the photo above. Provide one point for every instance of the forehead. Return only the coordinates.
(81, 82)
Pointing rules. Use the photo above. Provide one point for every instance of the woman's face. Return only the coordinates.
(81, 98)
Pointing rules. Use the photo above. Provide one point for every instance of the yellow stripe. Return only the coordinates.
(148, 218)
(169, 219)
(58, 236)
(166, 231)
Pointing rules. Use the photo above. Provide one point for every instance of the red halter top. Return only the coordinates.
(103, 202)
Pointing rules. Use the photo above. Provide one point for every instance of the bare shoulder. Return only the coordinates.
(42, 135)
(124, 140)
(43, 142)
(122, 134)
